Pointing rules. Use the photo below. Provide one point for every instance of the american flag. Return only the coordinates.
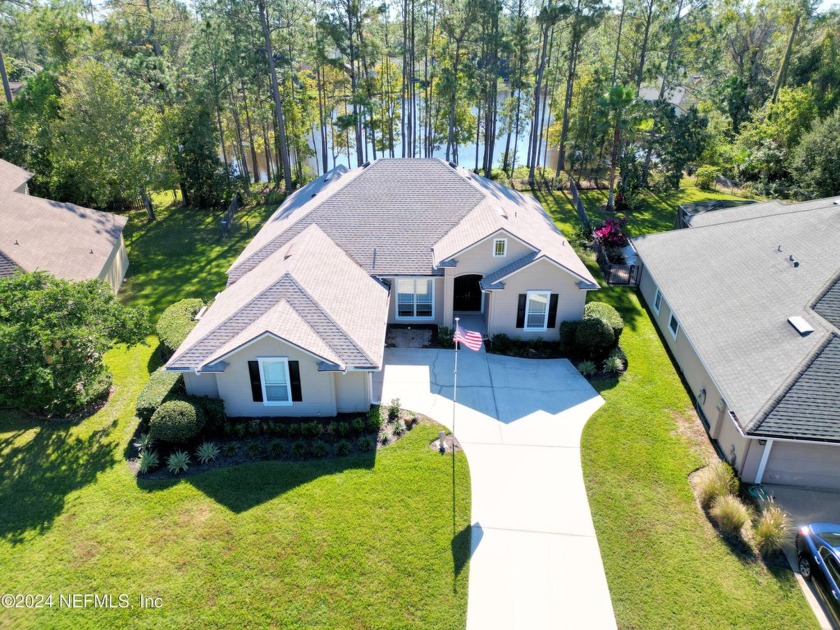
(469, 338)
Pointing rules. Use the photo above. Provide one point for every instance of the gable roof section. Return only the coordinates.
(521, 216)
(309, 293)
(7, 266)
(12, 176)
(828, 304)
(749, 211)
(69, 241)
(733, 291)
(386, 216)
(810, 407)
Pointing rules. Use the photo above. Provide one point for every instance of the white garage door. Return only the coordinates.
(808, 465)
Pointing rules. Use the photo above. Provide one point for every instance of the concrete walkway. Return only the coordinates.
(535, 558)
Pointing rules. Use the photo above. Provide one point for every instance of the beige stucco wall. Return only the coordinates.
(352, 392)
(114, 270)
(438, 303)
(479, 260)
(234, 383)
(201, 384)
(721, 426)
(542, 275)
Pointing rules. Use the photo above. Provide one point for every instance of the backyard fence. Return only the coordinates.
(578, 204)
(230, 215)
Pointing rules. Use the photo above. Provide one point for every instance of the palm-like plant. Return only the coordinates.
(144, 442)
(178, 462)
(148, 460)
(617, 105)
(207, 452)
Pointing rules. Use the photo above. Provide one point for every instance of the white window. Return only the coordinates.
(536, 310)
(657, 302)
(415, 298)
(499, 248)
(674, 326)
(276, 385)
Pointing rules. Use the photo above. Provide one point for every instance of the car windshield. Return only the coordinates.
(832, 538)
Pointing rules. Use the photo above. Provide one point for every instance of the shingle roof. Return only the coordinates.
(69, 241)
(828, 304)
(494, 280)
(733, 291)
(752, 211)
(340, 311)
(12, 176)
(7, 266)
(810, 407)
(386, 217)
(519, 215)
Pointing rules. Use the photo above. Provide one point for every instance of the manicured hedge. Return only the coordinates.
(176, 322)
(601, 310)
(160, 387)
(594, 337)
(176, 421)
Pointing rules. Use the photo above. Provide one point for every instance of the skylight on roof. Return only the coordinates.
(802, 326)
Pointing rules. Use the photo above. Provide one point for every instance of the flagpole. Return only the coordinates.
(454, 403)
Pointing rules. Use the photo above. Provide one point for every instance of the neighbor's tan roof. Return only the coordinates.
(66, 240)
(12, 176)
(309, 293)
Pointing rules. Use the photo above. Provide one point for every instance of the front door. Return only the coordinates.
(467, 293)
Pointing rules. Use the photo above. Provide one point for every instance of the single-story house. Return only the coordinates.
(748, 302)
(66, 240)
(301, 325)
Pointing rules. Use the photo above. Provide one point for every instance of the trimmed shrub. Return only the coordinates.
(730, 513)
(176, 322)
(160, 387)
(358, 425)
(705, 177)
(207, 452)
(594, 337)
(312, 429)
(176, 421)
(771, 530)
(148, 461)
(214, 411)
(374, 419)
(602, 310)
(342, 429)
(277, 449)
(394, 409)
(178, 462)
(568, 331)
(716, 480)
(501, 344)
(587, 368)
(444, 337)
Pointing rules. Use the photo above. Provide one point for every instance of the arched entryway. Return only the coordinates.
(467, 294)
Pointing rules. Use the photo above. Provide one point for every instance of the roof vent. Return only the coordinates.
(502, 212)
(313, 194)
(200, 313)
(289, 252)
(793, 260)
(366, 164)
(802, 327)
(452, 164)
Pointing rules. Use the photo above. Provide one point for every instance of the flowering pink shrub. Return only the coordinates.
(611, 232)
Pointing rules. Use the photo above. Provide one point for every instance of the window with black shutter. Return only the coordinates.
(256, 384)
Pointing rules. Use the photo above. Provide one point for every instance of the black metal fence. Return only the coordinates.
(579, 207)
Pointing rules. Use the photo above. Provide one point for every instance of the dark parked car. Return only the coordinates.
(818, 548)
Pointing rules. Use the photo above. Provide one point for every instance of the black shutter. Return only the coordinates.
(294, 381)
(552, 311)
(256, 385)
(520, 313)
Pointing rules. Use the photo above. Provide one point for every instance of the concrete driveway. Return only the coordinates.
(535, 559)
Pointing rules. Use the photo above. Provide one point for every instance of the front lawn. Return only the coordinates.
(665, 564)
(367, 541)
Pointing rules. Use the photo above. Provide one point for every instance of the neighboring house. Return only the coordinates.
(748, 301)
(68, 241)
(301, 325)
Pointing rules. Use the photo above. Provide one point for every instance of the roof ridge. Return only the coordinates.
(744, 220)
(788, 383)
(332, 321)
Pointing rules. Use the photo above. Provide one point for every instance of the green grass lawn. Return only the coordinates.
(657, 211)
(665, 565)
(368, 541)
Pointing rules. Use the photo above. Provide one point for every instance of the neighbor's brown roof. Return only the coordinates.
(12, 176)
(66, 240)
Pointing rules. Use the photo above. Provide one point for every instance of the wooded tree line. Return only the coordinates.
(135, 96)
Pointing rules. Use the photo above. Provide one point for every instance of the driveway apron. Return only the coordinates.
(535, 560)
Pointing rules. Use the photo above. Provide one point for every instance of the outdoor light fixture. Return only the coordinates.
(442, 440)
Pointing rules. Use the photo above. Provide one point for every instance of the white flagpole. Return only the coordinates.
(454, 403)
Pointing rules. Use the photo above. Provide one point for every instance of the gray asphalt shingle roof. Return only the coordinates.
(828, 305)
(810, 407)
(387, 217)
(733, 291)
(12, 176)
